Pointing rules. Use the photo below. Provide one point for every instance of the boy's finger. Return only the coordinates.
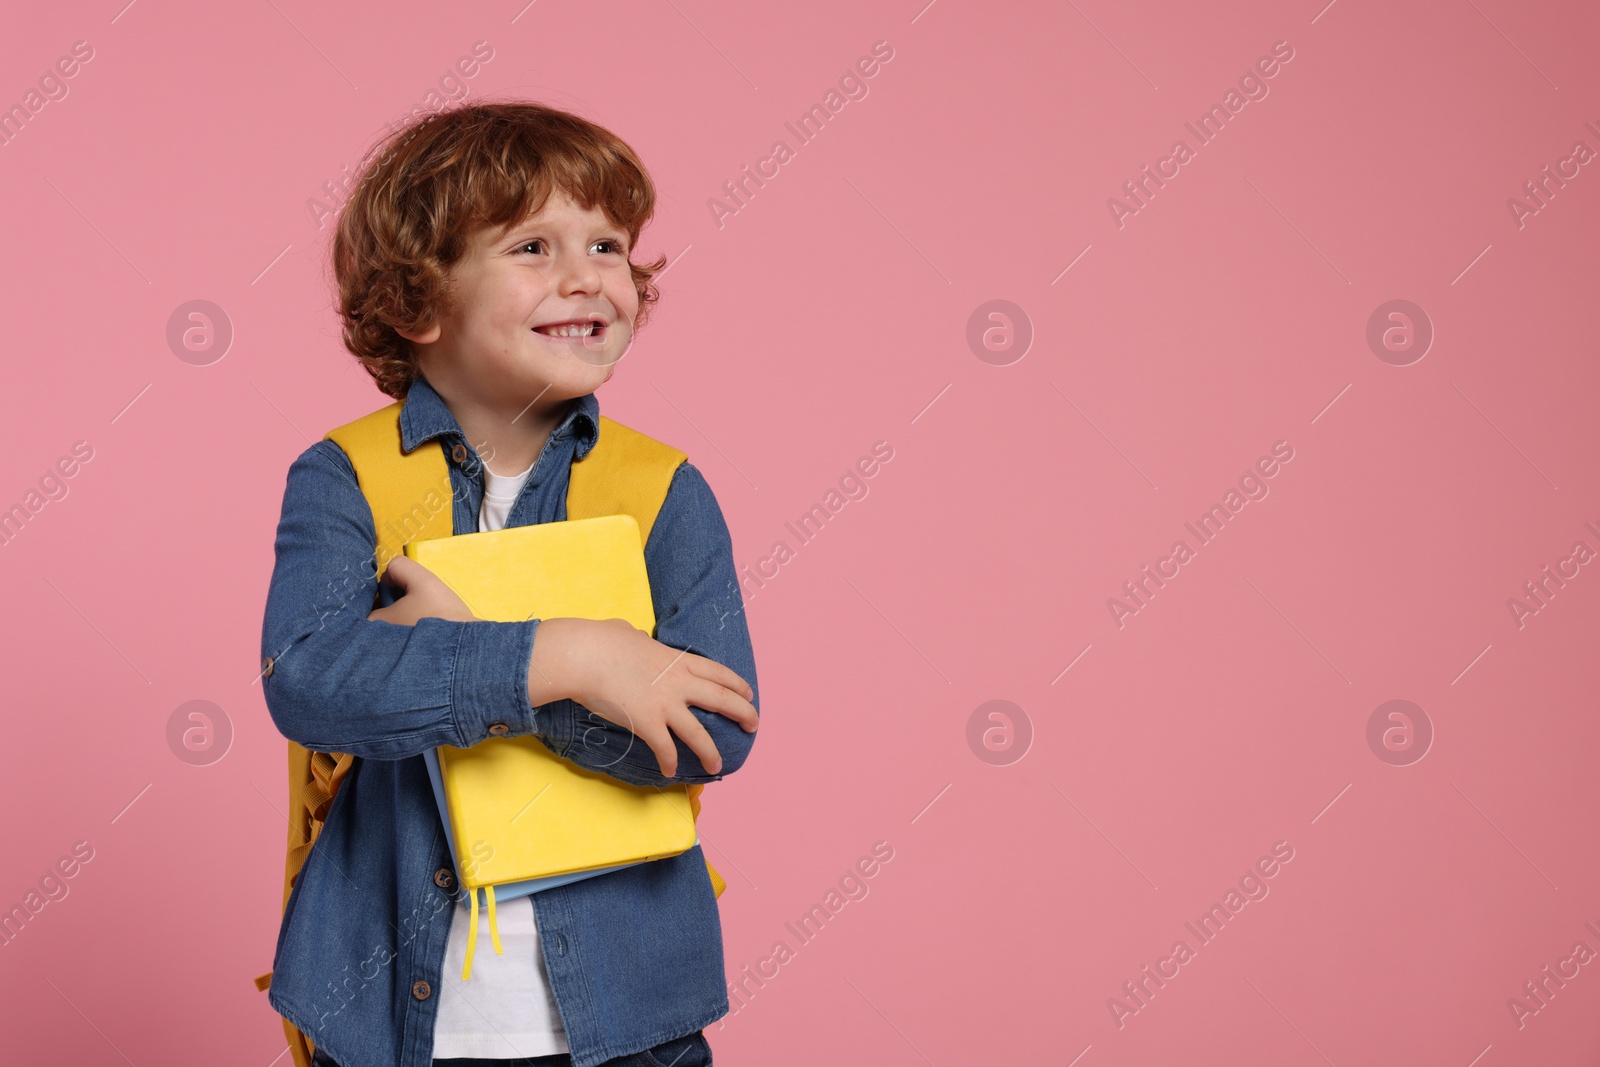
(725, 701)
(711, 670)
(699, 741)
(660, 742)
(399, 573)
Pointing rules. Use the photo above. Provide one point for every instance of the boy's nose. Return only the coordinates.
(575, 274)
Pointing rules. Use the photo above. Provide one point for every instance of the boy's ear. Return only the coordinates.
(423, 337)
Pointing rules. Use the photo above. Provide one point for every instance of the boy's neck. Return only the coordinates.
(508, 441)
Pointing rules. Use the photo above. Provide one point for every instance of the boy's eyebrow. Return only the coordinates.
(514, 232)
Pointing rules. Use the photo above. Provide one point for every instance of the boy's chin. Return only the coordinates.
(601, 357)
(570, 383)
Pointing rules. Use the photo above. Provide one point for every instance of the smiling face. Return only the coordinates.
(540, 312)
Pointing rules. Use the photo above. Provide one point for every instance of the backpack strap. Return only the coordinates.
(409, 493)
(629, 473)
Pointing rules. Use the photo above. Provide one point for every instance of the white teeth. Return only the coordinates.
(570, 331)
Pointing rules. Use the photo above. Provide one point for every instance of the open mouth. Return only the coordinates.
(573, 330)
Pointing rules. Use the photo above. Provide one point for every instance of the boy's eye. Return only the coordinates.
(606, 244)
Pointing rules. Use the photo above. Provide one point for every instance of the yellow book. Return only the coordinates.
(516, 810)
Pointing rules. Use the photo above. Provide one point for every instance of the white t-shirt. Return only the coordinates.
(506, 1009)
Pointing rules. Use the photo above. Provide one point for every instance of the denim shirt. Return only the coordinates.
(634, 957)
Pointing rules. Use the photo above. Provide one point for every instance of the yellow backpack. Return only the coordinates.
(625, 473)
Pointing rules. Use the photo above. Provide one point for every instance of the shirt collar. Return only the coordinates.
(426, 416)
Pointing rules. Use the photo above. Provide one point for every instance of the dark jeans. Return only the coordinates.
(690, 1051)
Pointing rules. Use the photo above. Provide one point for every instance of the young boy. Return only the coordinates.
(485, 278)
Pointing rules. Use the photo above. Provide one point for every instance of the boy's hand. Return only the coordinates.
(424, 596)
(625, 676)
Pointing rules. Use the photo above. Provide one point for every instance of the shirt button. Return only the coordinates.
(444, 878)
(561, 944)
(266, 667)
(421, 990)
(459, 453)
(499, 729)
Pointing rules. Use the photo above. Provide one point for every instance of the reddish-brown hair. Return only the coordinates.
(422, 191)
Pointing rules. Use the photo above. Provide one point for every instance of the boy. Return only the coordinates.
(485, 278)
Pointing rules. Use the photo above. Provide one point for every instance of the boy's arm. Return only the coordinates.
(338, 682)
(698, 608)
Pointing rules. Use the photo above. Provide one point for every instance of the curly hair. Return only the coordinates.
(421, 191)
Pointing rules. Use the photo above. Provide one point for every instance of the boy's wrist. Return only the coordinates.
(553, 663)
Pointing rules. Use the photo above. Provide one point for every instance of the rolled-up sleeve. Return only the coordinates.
(698, 608)
(335, 681)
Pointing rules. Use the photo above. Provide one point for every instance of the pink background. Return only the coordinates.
(829, 313)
